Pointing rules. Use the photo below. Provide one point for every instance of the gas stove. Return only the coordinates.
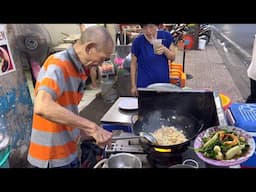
(151, 157)
(125, 145)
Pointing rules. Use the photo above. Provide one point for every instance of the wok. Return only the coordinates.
(152, 121)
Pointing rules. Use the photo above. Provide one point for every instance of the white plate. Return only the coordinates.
(128, 103)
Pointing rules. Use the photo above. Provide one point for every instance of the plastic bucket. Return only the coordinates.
(201, 44)
(4, 155)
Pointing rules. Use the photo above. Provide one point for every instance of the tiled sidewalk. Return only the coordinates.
(209, 71)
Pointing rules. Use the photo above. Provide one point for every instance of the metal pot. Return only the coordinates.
(120, 160)
(163, 86)
(188, 163)
(152, 121)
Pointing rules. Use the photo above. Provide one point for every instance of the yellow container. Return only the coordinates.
(225, 101)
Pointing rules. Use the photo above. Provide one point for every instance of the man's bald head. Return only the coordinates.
(99, 35)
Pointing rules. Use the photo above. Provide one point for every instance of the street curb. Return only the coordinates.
(246, 56)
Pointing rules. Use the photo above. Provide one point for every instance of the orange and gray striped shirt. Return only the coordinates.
(52, 144)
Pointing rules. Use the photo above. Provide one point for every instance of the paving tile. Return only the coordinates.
(209, 71)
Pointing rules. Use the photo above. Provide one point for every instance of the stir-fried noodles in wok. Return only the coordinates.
(169, 136)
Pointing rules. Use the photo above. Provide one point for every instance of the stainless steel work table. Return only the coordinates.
(118, 116)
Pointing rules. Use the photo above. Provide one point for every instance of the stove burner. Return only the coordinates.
(163, 159)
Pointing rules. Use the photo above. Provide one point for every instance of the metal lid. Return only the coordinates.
(4, 140)
(163, 86)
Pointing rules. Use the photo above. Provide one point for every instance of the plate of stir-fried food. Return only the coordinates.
(224, 146)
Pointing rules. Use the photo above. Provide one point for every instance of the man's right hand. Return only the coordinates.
(102, 137)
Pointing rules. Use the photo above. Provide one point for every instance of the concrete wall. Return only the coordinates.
(16, 106)
(111, 28)
(56, 30)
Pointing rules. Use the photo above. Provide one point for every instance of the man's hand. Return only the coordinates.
(102, 137)
(134, 91)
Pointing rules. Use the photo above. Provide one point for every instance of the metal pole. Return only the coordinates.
(188, 76)
(124, 36)
(184, 54)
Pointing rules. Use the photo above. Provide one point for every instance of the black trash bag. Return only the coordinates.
(90, 154)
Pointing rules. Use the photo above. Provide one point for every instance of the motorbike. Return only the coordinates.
(205, 32)
(178, 31)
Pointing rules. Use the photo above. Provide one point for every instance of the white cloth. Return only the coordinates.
(251, 71)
